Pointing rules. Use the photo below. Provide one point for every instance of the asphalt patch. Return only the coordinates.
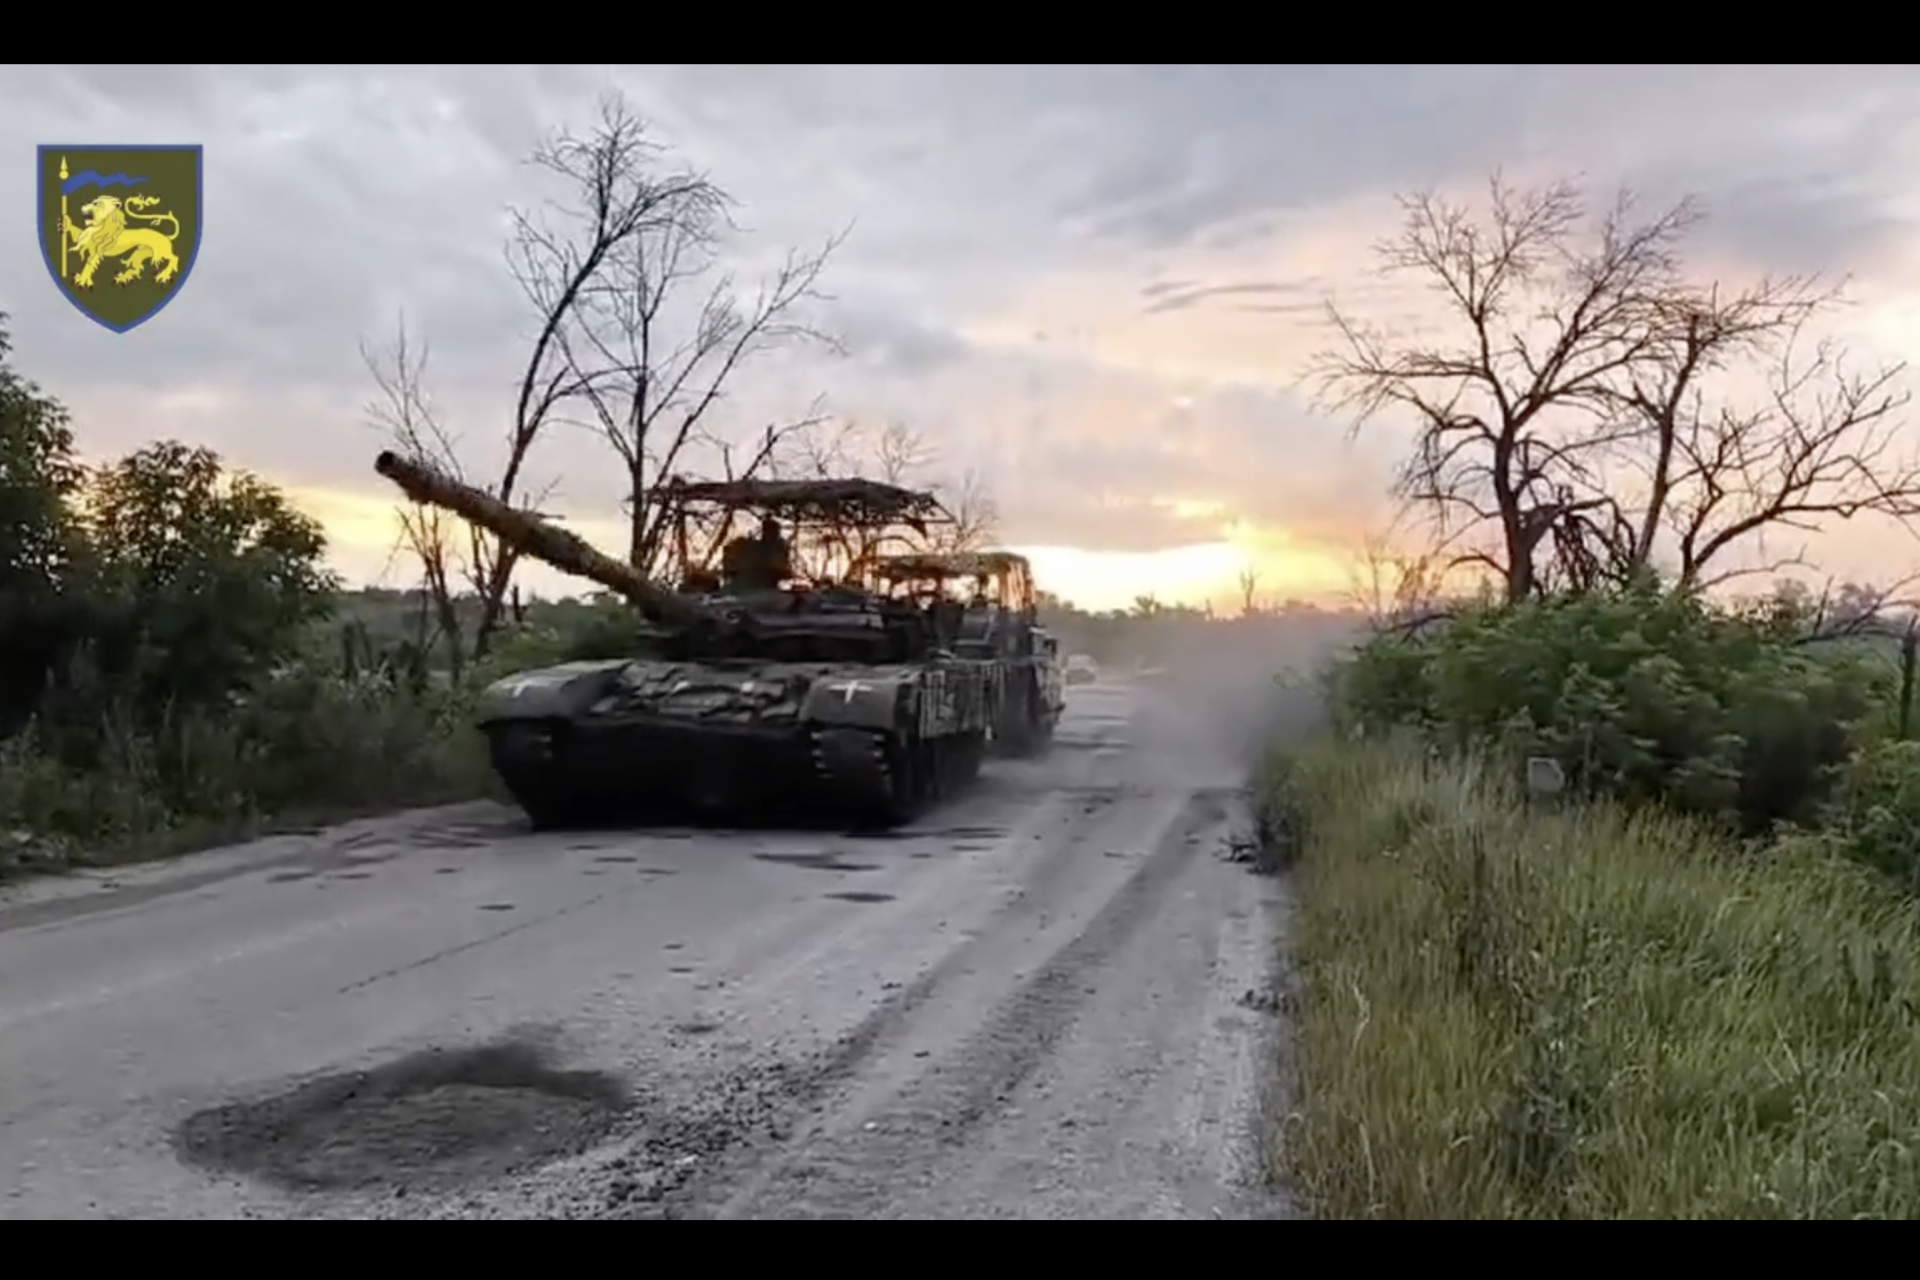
(816, 861)
(443, 1117)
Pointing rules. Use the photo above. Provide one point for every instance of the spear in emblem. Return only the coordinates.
(63, 217)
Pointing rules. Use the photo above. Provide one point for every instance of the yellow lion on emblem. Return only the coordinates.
(107, 235)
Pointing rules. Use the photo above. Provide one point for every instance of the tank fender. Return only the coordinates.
(547, 692)
(855, 700)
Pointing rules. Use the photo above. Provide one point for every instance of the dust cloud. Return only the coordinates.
(1210, 695)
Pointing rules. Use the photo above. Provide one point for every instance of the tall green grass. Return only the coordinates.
(311, 748)
(1587, 1013)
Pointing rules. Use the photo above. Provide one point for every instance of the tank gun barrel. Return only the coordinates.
(531, 535)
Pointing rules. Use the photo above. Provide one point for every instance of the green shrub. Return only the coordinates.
(308, 744)
(1876, 816)
(1642, 695)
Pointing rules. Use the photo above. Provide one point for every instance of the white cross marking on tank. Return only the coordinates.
(851, 688)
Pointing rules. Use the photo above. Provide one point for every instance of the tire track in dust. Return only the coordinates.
(922, 1072)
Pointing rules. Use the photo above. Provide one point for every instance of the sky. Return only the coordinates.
(1097, 287)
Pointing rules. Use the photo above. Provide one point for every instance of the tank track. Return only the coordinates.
(879, 780)
(858, 770)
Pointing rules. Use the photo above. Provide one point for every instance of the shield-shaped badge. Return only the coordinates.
(119, 227)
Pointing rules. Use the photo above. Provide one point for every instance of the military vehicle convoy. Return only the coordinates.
(984, 607)
(823, 698)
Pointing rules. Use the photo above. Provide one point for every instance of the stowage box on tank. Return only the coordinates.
(831, 700)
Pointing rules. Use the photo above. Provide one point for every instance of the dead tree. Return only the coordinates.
(616, 189)
(659, 328)
(1606, 418)
(1817, 441)
(446, 548)
(898, 454)
(1393, 587)
(1514, 401)
(1249, 592)
(976, 514)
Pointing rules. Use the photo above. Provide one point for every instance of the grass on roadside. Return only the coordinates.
(1586, 1014)
(320, 751)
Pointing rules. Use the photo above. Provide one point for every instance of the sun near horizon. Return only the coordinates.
(364, 544)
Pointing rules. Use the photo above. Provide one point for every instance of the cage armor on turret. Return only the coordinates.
(835, 698)
(990, 609)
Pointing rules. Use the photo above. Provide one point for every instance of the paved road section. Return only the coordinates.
(1051, 999)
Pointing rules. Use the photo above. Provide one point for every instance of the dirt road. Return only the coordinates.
(1051, 999)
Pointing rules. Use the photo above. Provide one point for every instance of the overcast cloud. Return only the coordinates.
(1095, 284)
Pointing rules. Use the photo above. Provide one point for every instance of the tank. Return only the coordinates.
(988, 612)
(810, 699)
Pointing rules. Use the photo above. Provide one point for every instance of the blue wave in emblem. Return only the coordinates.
(88, 178)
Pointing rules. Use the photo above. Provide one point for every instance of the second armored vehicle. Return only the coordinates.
(739, 694)
(986, 611)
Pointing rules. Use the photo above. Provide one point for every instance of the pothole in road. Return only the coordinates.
(440, 1117)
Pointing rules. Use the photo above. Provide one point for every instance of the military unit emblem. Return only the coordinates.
(119, 227)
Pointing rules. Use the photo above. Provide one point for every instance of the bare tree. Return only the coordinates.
(1249, 592)
(1585, 407)
(1394, 587)
(976, 514)
(1512, 404)
(898, 454)
(657, 330)
(614, 193)
(404, 412)
(1723, 471)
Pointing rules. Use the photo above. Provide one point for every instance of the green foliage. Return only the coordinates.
(1589, 1011)
(1644, 696)
(1877, 815)
(38, 480)
(172, 662)
(204, 580)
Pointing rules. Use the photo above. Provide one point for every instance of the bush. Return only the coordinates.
(1876, 818)
(1641, 696)
(1592, 1012)
(172, 664)
(308, 745)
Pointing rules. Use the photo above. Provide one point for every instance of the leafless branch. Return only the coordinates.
(1824, 444)
(403, 411)
(659, 331)
(1511, 407)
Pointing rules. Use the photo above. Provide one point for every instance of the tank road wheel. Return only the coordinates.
(876, 779)
(908, 781)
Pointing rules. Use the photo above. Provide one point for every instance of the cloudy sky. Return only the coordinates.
(1095, 285)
